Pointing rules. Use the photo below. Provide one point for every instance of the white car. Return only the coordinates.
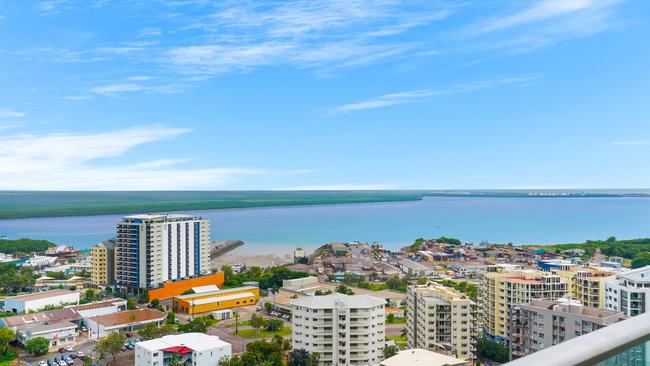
(62, 363)
(69, 349)
(80, 354)
(42, 363)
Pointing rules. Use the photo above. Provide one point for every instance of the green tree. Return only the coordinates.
(6, 336)
(278, 339)
(390, 351)
(301, 357)
(492, 350)
(423, 280)
(257, 322)
(343, 289)
(268, 307)
(87, 361)
(273, 325)
(37, 346)
(235, 314)
(390, 318)
(171, 318)
(155, 303)
(641, 260)
(111, 345)
(144, 297)
(130, 304)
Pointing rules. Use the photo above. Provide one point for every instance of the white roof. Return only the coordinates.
(207, 288)
(209, 300)
(198, 342)
(637, 275)
(338, 300)
(159, 216)
(420, 357)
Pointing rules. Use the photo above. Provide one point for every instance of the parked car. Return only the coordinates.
(62, 363)
(61, 350)
(73, 356)
(68, 360)
(80, 354)
(69, 349)
(42, 363)
(84, 329)
(52, 363)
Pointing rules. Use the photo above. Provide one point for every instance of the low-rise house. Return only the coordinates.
(103, 325)
(51, 316)
(195, 349)
(40, 300)
(58, 334)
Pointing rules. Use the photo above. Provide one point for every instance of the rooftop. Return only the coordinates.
(125, 317)
(47, 327)
(336, 300)
(41, 295)
(637, 275)
(44, 316)
(215, 293)
(571, 307)
(160, 216)
(100, 304)
(421, 357)
(198, 342)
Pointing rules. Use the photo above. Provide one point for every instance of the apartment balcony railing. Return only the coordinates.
(623, 343)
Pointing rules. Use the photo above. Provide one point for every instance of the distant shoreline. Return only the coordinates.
(25, 204)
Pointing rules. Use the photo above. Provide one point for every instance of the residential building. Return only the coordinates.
(586, 284)
(195, 349)
(504, 287)
(152, 249)
(102, 325)
(440, 319)
(342, 329)
(205, 302)
(541, 324)
(40, 300)
(421, 357)
(58, 334)
(103, 263)
(629, 291)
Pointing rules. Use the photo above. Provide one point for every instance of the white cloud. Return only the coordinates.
(68, 161)
(76, 97)
(542, 23)
(115, 89)
(10, 113)
(631, 143)
(392, 99)
(150, 32)
(304, 33)
(140, 78)
(341, 187)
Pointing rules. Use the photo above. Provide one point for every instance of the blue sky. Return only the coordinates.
(116, 95)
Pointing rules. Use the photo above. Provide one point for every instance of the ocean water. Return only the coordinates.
(279, 230)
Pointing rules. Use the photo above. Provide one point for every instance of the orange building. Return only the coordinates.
(175, 288)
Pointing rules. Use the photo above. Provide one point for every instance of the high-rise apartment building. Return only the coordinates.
(102, 261)
(440, 319)
(342, 329)
(505, 287)
(541, 324)
(629, 292)
(587, 285)
(152, 249)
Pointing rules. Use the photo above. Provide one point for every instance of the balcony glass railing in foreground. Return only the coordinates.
(626, 343)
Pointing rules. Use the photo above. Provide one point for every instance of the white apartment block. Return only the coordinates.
(196, 349)
(343, 329)
(152, 249)
(441, 319)
(629, 292)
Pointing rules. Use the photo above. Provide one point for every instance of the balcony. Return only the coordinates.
(623, 343)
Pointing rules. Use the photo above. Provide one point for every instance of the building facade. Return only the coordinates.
(629, 292)
(153, 249)
(40, 300)
(102, 325)
(58, 334)
(504, 287)
(541, 324)
(342, 329)
(195, 349)
(103, 263)
(441, 319)
(205, 302)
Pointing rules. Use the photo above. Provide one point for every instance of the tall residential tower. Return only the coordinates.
(152, 249)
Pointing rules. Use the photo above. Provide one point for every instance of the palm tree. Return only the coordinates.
(235, 314)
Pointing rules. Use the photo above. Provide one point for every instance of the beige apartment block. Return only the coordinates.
(103, 263)
(503, 288)
(441, 319)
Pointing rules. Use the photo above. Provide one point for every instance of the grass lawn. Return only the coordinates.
(250, 333)
(397, 321)
(242, 323)
(400, 341)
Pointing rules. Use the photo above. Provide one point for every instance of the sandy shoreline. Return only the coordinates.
(250, 260)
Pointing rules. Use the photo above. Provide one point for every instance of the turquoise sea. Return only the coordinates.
(281, 229)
